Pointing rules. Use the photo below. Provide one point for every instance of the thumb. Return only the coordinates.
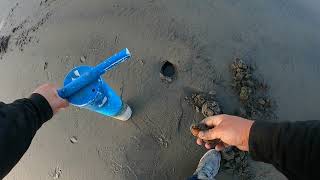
(209, 134)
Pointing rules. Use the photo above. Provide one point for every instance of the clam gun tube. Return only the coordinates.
(84, 87)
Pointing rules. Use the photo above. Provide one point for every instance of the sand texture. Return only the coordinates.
(201, 39)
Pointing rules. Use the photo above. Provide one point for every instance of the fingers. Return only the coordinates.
(212, 133)
(213, 120)
(209, 134)
(62, 102)
(220, 147)
(199, 141)
(49, 92)
(208, 146)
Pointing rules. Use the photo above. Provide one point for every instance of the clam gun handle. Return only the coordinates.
(92, 75)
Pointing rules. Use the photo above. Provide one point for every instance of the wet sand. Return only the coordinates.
(201, 38)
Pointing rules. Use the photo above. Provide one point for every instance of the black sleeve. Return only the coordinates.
(293, 148)
(19, 122)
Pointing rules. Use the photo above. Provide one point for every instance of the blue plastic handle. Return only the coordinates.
(94, 74)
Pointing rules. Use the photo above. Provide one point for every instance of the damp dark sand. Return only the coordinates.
(200, 38)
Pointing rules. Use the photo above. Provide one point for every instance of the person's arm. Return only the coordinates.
(291, 147)
(19, 122)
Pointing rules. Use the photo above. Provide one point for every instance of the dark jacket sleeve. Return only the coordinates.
(19, 122)
(292, 147)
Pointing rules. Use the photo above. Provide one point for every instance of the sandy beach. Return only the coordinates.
(200, 38)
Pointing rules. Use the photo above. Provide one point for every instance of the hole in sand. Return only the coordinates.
(93, 90)
(168, 70)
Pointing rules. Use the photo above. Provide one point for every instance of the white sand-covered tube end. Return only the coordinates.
(125, 114)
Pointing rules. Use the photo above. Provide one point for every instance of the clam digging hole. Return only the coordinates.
(168, 69)
(167, 72)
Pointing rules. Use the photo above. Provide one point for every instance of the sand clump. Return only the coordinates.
(196, 128)
(252, 92)
(204, 103)
(4, 42)
(233, 160)
(208, 106)
(255, 104)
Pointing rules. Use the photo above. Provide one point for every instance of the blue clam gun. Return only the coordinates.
(84, 87)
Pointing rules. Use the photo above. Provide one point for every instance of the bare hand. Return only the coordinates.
(49, 91)
(231, 130)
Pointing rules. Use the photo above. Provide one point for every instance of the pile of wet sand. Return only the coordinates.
(4, 41)
(251, 91)
(255, 103)
(232, 160)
